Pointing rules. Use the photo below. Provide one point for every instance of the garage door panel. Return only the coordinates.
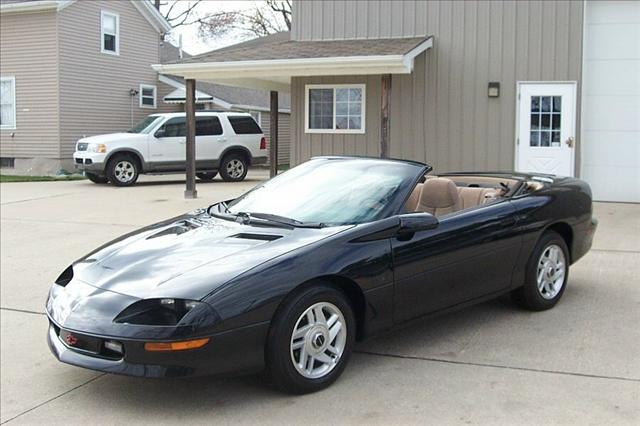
(621, 185)
(612, 77)
(617, 113)
(613, 41)
(610, 136)
(604, 148)
(613, 12)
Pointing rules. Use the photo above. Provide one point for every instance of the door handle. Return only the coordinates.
(222, 139)
(508, 221)
(569, 141)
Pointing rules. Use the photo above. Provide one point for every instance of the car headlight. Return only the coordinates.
(97, 147)
(166, 311)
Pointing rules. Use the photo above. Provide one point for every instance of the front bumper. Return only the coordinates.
(89, 161)
(232, 352)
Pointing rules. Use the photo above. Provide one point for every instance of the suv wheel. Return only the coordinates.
(206, 176)
(96, 178)
(234, 167)
(123, 170)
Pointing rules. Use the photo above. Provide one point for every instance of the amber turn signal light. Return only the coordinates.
(176, 346)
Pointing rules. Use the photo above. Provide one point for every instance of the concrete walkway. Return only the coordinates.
(491, 364)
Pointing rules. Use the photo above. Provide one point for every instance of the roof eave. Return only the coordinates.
(275, 74)
(35, 6)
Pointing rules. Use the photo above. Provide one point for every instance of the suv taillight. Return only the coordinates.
(263, 143)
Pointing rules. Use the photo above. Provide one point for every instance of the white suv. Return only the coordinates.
(226, 142)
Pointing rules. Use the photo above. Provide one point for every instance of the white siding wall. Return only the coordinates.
(94, 86)
(29, 52)
(611, 124)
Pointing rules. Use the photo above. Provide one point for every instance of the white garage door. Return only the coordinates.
(611, 100)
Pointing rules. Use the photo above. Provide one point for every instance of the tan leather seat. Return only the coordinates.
(474, 196)
(438, 196)
(412, 201)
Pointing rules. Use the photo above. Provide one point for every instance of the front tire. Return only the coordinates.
(123, 170)
(546, 275)
(310, 340)
(234, 167)
(96, 178)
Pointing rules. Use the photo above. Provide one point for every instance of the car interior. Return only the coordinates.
(442, 195)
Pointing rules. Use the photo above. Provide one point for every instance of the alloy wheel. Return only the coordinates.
(235, 168)
(551, 271)
(318, 340)
(124, 171)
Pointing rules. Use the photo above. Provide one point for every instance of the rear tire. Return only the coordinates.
(123, 170)
(96, 178)
(206, 176)
(234, 167)
(310, 340)
(546, 274)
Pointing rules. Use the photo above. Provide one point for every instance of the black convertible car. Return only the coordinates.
(288, 276)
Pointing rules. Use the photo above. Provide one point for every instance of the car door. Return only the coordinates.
(209, 138)
(469, 255)
(167, 147)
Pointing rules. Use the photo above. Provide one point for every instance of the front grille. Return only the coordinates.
(88, 345)
(78, 160)
(88, 161)
(82, 146)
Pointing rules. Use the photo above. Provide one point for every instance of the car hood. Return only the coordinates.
(189, 256)
(113, 137)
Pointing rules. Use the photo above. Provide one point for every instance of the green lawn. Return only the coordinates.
(13, 178)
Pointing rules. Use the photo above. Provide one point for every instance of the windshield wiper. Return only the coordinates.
(264, 219)
(285, 220)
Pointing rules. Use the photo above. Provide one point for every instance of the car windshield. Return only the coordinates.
(145, 125)
(331, 191)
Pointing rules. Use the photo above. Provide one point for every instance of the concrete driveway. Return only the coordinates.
(490, 364)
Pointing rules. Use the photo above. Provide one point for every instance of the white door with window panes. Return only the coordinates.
(546, 128)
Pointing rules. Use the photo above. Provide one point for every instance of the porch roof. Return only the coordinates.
(270, 63)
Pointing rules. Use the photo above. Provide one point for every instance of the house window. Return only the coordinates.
(7, 102)
(334, 108)
(110, 33)
(147, 96)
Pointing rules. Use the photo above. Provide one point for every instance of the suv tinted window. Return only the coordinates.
(244, 125)
(174, 127)
(208, 126)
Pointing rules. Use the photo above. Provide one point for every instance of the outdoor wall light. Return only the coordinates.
(494, 89)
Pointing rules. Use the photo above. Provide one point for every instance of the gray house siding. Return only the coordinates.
(29, 53)
(284, 135)
(94, 86)
(441, 113)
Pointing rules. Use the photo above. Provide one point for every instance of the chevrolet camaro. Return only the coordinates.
(287, 277)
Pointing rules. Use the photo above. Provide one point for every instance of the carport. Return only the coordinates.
(270, 64)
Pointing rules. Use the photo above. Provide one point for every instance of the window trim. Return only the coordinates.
(104, 13)
(155, 96)
(361, 86)
(12, 79)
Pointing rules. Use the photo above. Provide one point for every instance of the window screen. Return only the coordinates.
(208, 126)
(244, 125)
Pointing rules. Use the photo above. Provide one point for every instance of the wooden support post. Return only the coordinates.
(273, 134)
(385, 131)
(190, 124)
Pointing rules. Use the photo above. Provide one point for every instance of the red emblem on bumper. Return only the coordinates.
(71, 339)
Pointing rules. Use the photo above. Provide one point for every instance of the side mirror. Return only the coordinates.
(415, 222)
(159, 133)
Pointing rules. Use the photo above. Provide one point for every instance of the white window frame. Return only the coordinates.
(362, 87)
(104, 13)
(12, 79)
(155, 96)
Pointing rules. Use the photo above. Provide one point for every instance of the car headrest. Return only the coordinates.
(438, 193)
